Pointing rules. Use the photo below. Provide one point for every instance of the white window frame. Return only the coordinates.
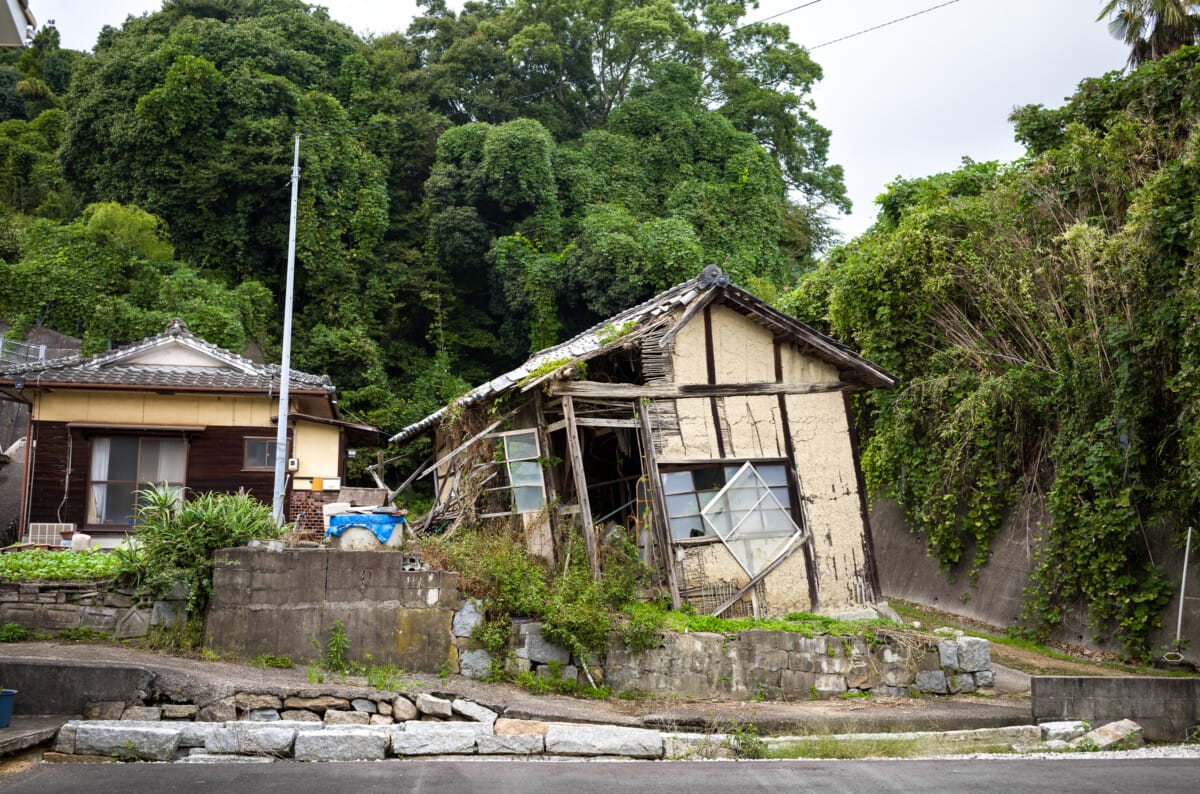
(505, 464)
(679, 514)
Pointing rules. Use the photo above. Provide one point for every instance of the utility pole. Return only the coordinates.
(281, 456)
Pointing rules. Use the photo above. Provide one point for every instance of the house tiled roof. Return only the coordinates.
(231, 373)
(592, 341)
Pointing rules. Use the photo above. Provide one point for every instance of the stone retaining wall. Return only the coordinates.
(778, 665)
(1168, 709)
(53, 607)
(280, 602)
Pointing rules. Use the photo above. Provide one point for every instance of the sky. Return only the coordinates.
(907, 100)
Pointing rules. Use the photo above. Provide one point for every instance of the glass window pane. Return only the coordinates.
(677, 482)
(122, 459)
(528, 500)
(525, 473)
(683, 504)
(687, 528)
(772, 474)
(260, 453)
(118, 505)
(783, 497)
(522, 446)
(705, 497)
(709, 478)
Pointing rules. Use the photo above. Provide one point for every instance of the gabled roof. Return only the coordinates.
(712, 284)
(176, 360)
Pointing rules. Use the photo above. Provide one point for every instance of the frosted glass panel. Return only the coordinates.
(522, 446)
(683, 504)
(677, 482)
(526, 473)
(528, 500)
(748, 517)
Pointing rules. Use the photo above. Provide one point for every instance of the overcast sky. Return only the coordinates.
(909, 99)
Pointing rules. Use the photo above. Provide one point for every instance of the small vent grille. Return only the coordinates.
(48, 534)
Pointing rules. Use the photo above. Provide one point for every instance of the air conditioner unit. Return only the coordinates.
(47, 534)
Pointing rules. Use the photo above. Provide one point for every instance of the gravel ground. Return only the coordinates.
(1151, 751)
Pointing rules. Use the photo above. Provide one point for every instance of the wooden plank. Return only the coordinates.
(631, 391)
(710, 363)
(794, 492)
(454, 452)
(661, 530)
(585, 507)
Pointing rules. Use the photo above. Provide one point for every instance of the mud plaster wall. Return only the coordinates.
(752, 427)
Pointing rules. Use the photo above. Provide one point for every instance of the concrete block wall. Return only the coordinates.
(780, 665)
(279, 602)
(1168, 709)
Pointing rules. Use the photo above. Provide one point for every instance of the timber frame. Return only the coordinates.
(696, 400)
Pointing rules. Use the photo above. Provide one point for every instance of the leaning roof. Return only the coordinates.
(658, 309)
(120, 368)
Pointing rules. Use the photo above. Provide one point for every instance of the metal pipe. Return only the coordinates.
(1187, 550)
(286, 364)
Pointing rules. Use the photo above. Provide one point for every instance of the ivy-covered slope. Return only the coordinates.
(1045, 320)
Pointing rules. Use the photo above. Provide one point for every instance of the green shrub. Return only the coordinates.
(13, 632)
(176, 541)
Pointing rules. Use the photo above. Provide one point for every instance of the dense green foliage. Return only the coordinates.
(41, 565)
(1045, 320)
(576, 611)
(488, 182)
(176, 540)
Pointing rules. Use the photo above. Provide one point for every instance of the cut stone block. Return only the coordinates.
(960, 683)
(142, 713)
(474, 711)
(65, 741)
(134, 623)
(263, 715)
(948, 654)
(299, 715)
(178, 711)
(341, 744)
(104, 710)
(538, 649)
(510, 744)
(835, 684)
(347, 718)
(434, 706)
(974, 654)
(509, 727)
(603, 740)
(453, 740)
(142, 741)
(475, 664)
(222, 710)
(223, 758)
(985, 678)
(932, 681)
(381, 719)
(247, 701)
(1120, 735)
(195, 734)
(1064, 730)
(317, 704)
(467, 618)
(247, 738)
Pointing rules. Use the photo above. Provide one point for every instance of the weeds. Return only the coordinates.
(265, 660)
(14, 632)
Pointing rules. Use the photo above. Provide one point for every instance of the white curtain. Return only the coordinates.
(101, 448)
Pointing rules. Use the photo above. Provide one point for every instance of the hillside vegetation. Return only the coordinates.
(1045, 320)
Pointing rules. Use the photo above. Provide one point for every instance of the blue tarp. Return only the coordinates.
(382, 524)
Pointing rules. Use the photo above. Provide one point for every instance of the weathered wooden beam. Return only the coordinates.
(585, 507)
(688, 313)
(584, 421)
(631, 391)
(658, 517)
(454, 453)
(754, 580)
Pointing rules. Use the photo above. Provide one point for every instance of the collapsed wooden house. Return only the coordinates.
(714, 429)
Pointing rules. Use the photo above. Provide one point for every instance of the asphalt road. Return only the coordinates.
(1161, 776)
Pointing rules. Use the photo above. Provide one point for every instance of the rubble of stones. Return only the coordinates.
(329, 728)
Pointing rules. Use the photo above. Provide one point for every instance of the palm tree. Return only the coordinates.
(1152, 28)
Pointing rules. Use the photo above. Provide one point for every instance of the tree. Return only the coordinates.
(1152, 28)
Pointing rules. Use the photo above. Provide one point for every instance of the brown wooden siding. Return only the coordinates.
(214, 464)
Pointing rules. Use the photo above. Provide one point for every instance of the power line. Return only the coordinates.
(775, 16)
(884, 25)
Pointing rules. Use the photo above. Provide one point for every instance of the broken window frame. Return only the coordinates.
(766, 500)
(526, 464)
(780, 483)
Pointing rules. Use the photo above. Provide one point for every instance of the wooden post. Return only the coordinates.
(662, 531)
(585, 506)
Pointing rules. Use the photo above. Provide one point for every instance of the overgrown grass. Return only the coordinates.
(41, 565)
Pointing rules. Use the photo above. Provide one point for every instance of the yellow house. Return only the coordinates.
(171, 409)
(713, 430)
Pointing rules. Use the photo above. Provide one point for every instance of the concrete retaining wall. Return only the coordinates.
(907, 572)
(789, 666)
(1168, 709)
(66, 687)
(279, 602)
